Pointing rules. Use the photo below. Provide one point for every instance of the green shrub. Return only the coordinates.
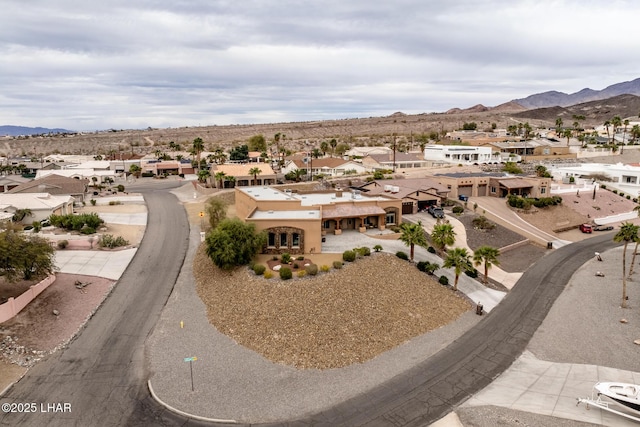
(363, 251)
(482, 223)
(377, 248)
(402, 255)
(325, 268)
(300, 258)
(275, 257)
(431, 250)
(604, 187)
(443, 280)
(120, 188)
(348, 256)
(259, 269)
(268, 274)
(109, 241)
(471, 273)
(337, 265)
(628, 197)
(311, 269)
(285, 273)
(114, 202)
(286, 258)
(422, 265)
(87, 230)
(295, 266)
(37, 226)
(301, 273)
(457, 210)
(615, 191)
(62, 244)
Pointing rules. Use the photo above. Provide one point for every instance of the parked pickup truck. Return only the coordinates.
(603, 228)
(435, 211)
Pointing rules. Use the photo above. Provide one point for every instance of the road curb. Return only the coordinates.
(186, 414)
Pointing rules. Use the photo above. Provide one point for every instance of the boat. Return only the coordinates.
(619, 398)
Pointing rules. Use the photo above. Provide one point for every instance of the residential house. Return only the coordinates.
(330, 166)
(55, 185)
(41, 205)
(166, 167)
(296, 222)
(399, 161)
(415, 194)
(367, 151)
(8, 182)
(241, 175)
(459, 154)
(493, 184)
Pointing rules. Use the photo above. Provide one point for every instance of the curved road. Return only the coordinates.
(103, 372)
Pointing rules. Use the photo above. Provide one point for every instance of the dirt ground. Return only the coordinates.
(331, 320)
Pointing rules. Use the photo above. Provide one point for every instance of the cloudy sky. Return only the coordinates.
(87, 65)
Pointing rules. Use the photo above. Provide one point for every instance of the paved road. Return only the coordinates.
(102, 374)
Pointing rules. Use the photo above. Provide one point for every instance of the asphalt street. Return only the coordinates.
(101, 375)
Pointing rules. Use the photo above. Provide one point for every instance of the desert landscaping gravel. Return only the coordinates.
(332, 320)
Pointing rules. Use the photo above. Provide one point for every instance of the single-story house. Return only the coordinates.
(460, 154)
(401, 161)
(296, 222)
(241, 175)
(416, 194)
(55, 185)
(166, 167)
(332, 166)
(89, 174)
(41, 205)
(496, 184)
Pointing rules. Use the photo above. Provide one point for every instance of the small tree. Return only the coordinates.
(442, 236)
(412, 234)
(233, 243)
(458, 259)
(488, 256)
(628, 233)
(216, 210)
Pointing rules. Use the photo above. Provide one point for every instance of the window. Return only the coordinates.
(493, 189)
(327, 224)
(272, 240)
(391, 218)
(295, 240)
(283, 240)
(543, 190)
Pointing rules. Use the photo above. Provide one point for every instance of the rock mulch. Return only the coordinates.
(332, 320)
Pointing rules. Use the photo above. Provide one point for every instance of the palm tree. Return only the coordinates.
(458, 259)
(628, 233)
(231, 180)
(624, 132)
(567, 133)
(324, 147)
(198, 147)
(203, 175)
(333, 143)
(219, 176)
(635, 133)
(488, 256)
(558, 125)
(255, 172)
(607, 123)
(413, 234)
(616, 122)
(443, 236)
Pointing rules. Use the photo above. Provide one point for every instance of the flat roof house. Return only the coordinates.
(296, 222)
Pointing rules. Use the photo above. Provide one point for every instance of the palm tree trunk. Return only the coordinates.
(624, 277)
(455, 282)
(633, 259)
(412, 250)
(486, 273)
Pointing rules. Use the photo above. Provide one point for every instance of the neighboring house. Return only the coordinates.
(367, 151)
(41, 205)
(167, 167)
(514, 151)
(89, 174)
(67, 158)
(55, 185)
(493, 184)
(459, 154)
(415, 194)
(624, 177)
(295, 222)
(331, 166)
(401, 161)
(8, 182)
(241, 175)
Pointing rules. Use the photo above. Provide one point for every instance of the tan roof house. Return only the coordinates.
(56, 185)
(332, 166)
(241, 174)
(416, 194)
(296, 222)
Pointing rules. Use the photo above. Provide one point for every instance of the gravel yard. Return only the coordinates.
(499, 237)
(333, 320)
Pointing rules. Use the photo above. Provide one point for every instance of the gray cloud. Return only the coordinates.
(139, 63)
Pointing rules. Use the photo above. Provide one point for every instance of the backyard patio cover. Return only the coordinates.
(352, 211)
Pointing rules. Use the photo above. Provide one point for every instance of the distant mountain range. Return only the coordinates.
(561, 99)
(23, 130)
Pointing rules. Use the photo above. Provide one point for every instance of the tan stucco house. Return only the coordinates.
(296, 222)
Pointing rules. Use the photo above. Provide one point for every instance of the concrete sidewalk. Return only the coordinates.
(109, 264)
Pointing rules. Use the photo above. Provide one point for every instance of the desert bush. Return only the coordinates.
(422, 265)
(457, 210)
(363, 251)
(285, 273)
(259, 269)
(37, 226)
(431, 250)
(286, 258)
(473, 273)
(402, 255)
(443, 280)
(115, 202)
(311, 269)
(325, 268)
(268, 274)
(337, 265)
(482, 223)
(301, 273)
(87, 230)
(93, 202)
(62, 244)
(296, 266)
(377, 248)
(300, 258)
(615, 191)
(109, 241)
(349, 256)
(120, 188)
